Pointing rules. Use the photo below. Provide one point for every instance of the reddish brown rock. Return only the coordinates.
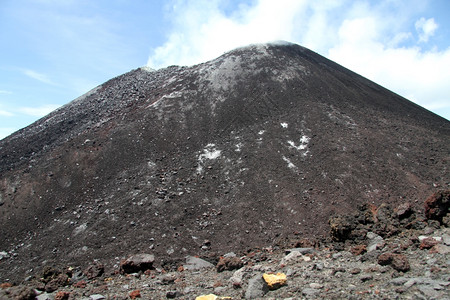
(136, 263)
(398, 261)
(80, 284)
(62, 295)
(437, 205)
(428, 243)
(5, 285)
(59, 281)
(135, 294)
(229, 263)
(358, 249)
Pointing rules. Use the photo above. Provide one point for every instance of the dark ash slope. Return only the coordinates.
(241, 151)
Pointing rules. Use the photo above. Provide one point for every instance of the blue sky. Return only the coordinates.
(53, 51)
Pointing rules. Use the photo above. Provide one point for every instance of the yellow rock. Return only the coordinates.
(207, 297)
(211, 297)
(275, 281)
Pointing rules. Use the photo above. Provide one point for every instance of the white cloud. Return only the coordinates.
(39, 111)
(202, 32)
(425, 28)
(374, 39)
(5, 92)
(5, 113)
(38, 76)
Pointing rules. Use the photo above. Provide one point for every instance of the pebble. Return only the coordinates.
(97, 297)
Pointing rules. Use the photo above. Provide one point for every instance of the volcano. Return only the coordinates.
(244, 151)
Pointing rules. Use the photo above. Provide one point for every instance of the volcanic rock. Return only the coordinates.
(437, 205)
(137, 263)
(246, 151)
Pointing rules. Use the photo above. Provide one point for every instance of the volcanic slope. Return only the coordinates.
(235, 153)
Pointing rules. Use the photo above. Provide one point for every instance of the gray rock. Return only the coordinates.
(376, 242)
(230, 254)
(45, 296)
(429, 292)
(446, 239)
(97, 297)
(301, 250)
(3, 255)
(195, 263)
(256, 288)
(310, 292)
(399, 280)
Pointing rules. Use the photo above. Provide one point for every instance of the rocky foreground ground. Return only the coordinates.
(377, 253)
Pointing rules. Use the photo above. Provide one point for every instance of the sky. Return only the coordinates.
(53, 51)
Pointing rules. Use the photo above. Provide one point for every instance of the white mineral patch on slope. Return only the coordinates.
(209, 153)
(304, 140)
(284, 125)
(175, 94)
(290, 164)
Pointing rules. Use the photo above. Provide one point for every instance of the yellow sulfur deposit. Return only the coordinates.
(211, 297)
(207, 297)
(275, 281)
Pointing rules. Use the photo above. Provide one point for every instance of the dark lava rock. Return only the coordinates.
(229, 263)
(136, 263)
(60, 281)
(341, 227)
(398, 261)
(20, 293)
(437, 205)
(94, 270)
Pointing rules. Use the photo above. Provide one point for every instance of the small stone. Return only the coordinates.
(60, 281)
(428, 243)
(94, 270)
(398, 261)
(446, 239)
(195, 263)
(5, 285)
(441, 249)
(228, 264)
(315, 285)
(275, 281)
(62, 295)
(437, 205)
(256, 288)
(236, 279)
(206, 297)
(403, 211)
(136, 263)
(167, 279)
(309, 292)
(172, 294)
(355, 271)
(366, 277)
(358, 249)
(375, 242)
(135, 294)
(80, 284)
(21, 293)
(97, 297)
(308, 250)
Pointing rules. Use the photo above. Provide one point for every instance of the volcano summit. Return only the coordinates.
(239, 152)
